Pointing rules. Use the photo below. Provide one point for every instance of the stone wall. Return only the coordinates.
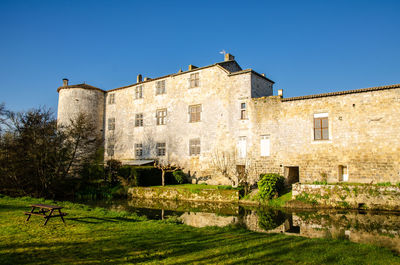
(171, 193)
(363, 136)
(349, 196)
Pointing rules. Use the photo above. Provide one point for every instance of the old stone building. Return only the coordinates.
(223, 114)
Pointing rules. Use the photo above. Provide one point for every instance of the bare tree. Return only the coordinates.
(236, 170)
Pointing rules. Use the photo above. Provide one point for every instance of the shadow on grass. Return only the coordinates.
(6, 207)
(98, 220)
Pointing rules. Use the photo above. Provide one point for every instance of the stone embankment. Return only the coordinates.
(184, 194)
(362, 196)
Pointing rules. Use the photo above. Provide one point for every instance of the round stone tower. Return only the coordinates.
(81, 98)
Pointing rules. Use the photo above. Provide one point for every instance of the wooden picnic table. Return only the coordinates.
(42, 211)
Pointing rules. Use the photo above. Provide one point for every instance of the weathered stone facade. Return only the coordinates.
(237, 112)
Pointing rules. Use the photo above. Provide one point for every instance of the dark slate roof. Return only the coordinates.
(223, 64)
(84, 86)
(362, 90)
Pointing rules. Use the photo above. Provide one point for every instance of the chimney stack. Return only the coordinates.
(139, 78)
(229, 57)
(65, 82)
(147, 78)
(192, 67)
(280, 93)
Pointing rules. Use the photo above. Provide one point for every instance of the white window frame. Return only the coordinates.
(242, 147)
(161, 116)
(265, 145)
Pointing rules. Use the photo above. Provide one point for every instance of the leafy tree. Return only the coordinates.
(37, 157)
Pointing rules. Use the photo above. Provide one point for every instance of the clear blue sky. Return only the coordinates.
(306, 47)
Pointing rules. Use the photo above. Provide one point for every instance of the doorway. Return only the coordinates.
(291, 175)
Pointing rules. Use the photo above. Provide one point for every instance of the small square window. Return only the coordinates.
(139, 150)
(194, 80)
(243, 114)
(160, 87)
(111, 124)
(321, 128)
(139, 92)
(139, 120)
(160, 149)
(161, 116)
(111, 99)
(194, 146)
(195, 113)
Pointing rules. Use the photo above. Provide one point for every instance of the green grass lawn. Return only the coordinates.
(94, 236)
(197, 186)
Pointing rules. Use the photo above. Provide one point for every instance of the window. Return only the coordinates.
(160, 149)
(194, 147)
(243, 114)
(111, 124)
(343, 173)
(194, 113)
(139, 92)
(264, 145)
(194, 80)
(110, 150)
(161, 116)
(139, 150)
(139, 120)
(241, 146)
(321, 130)
(111, 99)
(160, 87)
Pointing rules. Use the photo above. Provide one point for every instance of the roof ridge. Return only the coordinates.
(345, 92)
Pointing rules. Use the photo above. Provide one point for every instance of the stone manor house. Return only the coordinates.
(205, 114)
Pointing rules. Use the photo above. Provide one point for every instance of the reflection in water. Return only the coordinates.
(382, 229)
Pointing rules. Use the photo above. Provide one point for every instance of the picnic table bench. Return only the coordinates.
(43, 209)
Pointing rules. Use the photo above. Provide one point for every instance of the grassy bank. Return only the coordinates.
(102, 236)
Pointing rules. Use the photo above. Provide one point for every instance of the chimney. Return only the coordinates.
(65, 82)
(147, 78)
(229, 57)
(139, 78)
(280, 93)
(192, 67)
(263, 74)
(180, 70)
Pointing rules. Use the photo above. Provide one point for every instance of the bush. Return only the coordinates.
(180, 176)
(143, 176)
(270, 185)
(111, 171)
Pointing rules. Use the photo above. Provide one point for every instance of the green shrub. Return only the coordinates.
(180, 176)
(385, 184)
(270, 185)
(324, 182)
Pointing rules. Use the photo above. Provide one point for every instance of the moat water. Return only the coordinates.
(378, 228)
